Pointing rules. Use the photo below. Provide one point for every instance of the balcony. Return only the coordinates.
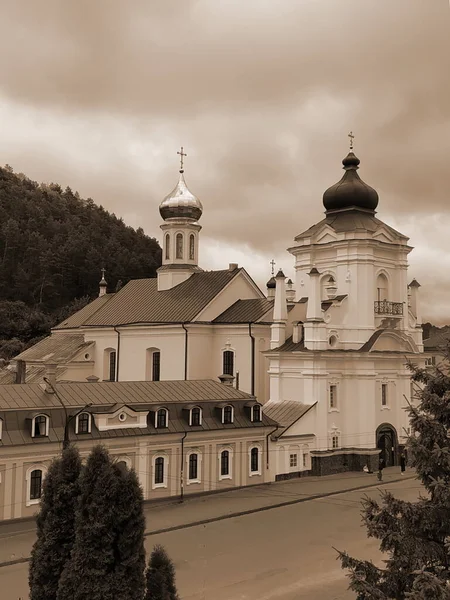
(392, 309)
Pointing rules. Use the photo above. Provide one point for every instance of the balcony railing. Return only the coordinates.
(383, 307)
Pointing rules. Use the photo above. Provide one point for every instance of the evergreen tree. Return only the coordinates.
(415, 536)
(108, 559)
(160, 576)
(55, 525)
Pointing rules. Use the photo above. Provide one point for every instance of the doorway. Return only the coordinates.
(387, 444)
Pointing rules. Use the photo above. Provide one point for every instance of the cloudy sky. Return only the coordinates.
(100, 95)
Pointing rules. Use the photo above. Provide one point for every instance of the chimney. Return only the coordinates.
(226, 379)
(92, 379)
(50, 375)
(233, 266)
(21, 371)
(297, 332)
(290, 292)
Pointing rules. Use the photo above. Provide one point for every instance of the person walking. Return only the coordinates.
(381, 465)
(402, 463)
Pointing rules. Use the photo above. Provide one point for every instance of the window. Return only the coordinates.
(193, 466)
(335, 441)
(430, 361)
(167, 246)
(159, 471)
(156, 365)
(196, 415)
(122, 466)
(227, 416)
(35, 484)
(384, 399)
(161, 418)
(179, 245)
(256, 413)
(40, 426)
(382, 287)
(83, 424)
(228, 362)
(333, 396)
(292, 460)
(254, 460)
(225, 463)
(112, 365)
(192, 247)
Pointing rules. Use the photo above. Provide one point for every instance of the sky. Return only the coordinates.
(261, 94)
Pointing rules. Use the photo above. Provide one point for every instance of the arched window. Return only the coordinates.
(83, 423)
(159, 471)
(109, 365)
(256, 413)
(35, 484)
(227, 415)
(254, 460)
(153, 364)
(225, 462)
(196, 416)
(161, 418)
(40, 426)
(122, 466)
(193, 466)
(167, 246)
(179, 245)
(228, 362)
(192, 247)
(382, 287)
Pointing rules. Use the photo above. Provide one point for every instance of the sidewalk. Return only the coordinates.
(16, 539)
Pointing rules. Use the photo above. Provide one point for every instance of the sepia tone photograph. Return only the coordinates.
(225, 300)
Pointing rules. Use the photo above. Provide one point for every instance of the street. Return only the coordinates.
(285, 553)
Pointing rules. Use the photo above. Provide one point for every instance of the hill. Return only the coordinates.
(53, 245)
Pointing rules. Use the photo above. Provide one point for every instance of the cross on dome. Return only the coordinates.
(273, 263)
(351, 136)
(182, 155)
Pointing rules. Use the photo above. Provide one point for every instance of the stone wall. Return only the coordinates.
(341, 462)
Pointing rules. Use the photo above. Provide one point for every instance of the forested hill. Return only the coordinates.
(53, 245)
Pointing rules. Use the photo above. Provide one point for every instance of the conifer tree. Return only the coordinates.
(414, 535)
(160, 576)
(55, 525)
(107, 560)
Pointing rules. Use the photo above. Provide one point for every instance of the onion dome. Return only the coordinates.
(350, 191)
(271, 284)
(181, 203)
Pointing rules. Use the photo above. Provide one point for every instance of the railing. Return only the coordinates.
(383, 307)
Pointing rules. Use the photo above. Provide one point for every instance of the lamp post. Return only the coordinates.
(68, 418)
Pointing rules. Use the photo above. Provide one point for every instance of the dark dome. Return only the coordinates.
(350, 191)
(271, 283)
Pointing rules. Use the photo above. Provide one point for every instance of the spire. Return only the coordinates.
(103, 285)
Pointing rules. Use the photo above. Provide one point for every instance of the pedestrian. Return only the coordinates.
(381, 465)
(402, 463)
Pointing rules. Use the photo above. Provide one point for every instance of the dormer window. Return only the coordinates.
(256, 413)
(227, 415)
(161, 418)
(195, 416)
(83, 423)
(40, 426)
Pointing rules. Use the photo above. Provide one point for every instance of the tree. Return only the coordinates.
(160, 576)
(55, 525)
(108, 558)
(415, 536)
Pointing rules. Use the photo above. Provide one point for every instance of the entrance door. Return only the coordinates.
(386, 442)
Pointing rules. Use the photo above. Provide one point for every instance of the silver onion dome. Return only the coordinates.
(181, 203)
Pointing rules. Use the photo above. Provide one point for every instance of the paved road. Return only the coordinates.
(280, 554)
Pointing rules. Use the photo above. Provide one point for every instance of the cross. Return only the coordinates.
(351, 136)
(103, 273)
(182, 155)
(273, 263)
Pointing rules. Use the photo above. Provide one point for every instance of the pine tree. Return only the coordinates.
(415, 536)
(160, 576)
(55, 525)
(107, 560)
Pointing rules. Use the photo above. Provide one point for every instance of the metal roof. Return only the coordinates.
(286, 413)
(34, 374)
(85, 313)
(246, 311)
(57, 348)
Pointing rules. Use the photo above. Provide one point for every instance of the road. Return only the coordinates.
(280, 554)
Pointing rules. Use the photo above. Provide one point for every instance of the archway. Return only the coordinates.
(387, 443)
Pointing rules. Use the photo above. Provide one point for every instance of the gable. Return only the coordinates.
(305, 425)
(383, 234)
(325, 235)
(394, 341)
(122, 417)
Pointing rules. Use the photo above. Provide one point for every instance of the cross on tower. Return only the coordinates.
(103, 273)
(182, 155)
(273, 263)
(351, 136)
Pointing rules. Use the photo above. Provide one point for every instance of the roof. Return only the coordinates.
(85, 313)
(437, 340)
(290, 346)
(286, 413)
(34, 374)
(34, 396)
(139, 301)
(245, 311)
(57, 348)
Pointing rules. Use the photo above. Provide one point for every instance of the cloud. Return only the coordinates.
(100, 95)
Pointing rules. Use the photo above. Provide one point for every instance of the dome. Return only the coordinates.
(350, 191)
(271, 284)
(181, 203)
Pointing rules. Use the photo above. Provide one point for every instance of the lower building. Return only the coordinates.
(181, 437)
